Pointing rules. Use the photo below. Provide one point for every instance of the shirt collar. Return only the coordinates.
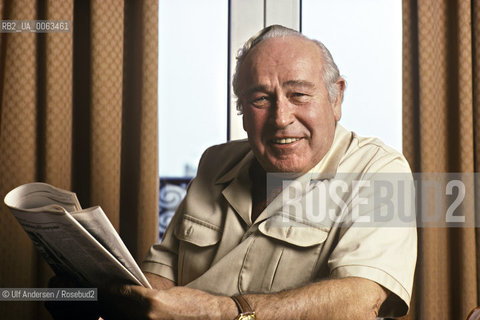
(240, 169)
(328, 166)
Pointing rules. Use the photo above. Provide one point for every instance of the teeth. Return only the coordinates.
(285, 140)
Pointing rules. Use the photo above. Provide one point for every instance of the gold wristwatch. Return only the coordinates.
(245, 311)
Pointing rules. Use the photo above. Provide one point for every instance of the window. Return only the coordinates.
(192, 82)
(192, 91)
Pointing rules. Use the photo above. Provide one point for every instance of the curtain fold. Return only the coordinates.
(441, 133)
(79, 110)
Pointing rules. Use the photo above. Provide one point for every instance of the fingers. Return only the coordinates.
(124, 302)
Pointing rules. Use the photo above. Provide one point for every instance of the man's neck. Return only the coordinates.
(258, 190)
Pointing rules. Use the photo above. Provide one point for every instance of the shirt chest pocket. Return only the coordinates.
(282, 256)
(197, 247)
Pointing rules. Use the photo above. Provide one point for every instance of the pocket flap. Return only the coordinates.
(294, 232)
(197, 232)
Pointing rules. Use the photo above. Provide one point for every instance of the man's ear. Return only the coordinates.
(337, 104)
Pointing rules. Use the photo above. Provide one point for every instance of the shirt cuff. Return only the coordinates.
(159, 269)
(397, 304)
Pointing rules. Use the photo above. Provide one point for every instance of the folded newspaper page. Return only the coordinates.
(80, 243)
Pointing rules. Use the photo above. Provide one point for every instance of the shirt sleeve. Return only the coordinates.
(382, 250)
(162, 257)
(384, 255)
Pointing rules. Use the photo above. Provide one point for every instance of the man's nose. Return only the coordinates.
(284, 113)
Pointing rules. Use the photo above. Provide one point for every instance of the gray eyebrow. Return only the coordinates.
(289, 83)
(262, 88)
(299, 83)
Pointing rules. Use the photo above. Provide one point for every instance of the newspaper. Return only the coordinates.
(80, 243)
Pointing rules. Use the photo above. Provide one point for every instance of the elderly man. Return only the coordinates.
(229, 252)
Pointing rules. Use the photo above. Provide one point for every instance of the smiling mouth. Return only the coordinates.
(285, 140)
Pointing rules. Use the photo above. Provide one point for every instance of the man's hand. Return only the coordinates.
(135, 302)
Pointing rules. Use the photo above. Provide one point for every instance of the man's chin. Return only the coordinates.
(285, 167)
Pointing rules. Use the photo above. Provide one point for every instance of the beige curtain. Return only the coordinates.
(78, 110)
(441, 123)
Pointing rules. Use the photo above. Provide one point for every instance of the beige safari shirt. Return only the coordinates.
(211, 243)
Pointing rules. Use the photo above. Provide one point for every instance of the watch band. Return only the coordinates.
(245, 311)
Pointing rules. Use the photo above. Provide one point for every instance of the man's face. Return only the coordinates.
(286, 112)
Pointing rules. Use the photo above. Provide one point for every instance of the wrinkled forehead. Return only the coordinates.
(292, 47)
(291, 55)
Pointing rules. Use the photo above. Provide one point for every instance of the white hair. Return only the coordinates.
(330, 72)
